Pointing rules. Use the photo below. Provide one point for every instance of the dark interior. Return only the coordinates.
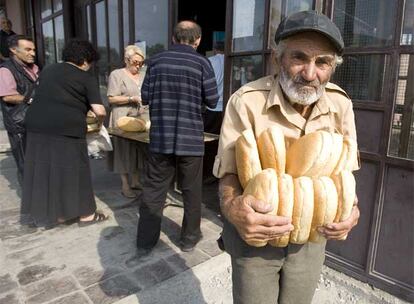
(210, 15)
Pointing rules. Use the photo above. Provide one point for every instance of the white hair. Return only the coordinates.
(132, 50)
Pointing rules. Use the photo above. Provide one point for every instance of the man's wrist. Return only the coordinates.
(129, 99)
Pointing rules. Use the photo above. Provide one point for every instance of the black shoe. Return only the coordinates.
(187, 246)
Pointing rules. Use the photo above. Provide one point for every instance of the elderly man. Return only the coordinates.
(176, 85)
(17, 81)
(300, 100)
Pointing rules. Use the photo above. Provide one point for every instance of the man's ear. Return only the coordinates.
(173, 40)
(13, 50)
(197, 42)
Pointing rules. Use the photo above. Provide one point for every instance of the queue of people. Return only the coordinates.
(178, 83)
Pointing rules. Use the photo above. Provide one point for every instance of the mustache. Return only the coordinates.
(298, 79)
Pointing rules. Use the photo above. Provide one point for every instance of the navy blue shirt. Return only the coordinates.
(177, 82)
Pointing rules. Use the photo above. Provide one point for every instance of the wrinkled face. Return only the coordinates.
(25, 51)
(5, 25)
(134, 63)
(306, 66)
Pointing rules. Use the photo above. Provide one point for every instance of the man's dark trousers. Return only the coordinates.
(160, 174)
(18, 147)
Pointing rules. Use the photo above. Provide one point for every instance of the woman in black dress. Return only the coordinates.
(57, 180)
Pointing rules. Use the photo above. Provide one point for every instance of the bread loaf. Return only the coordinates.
(91, 118)
(345, 186)
(302, 210)
(131, 124)
(349, 156)
(315, 154)
(247, 157)
(325, 206)
(272, 150)
(286, 199)
(264, 187)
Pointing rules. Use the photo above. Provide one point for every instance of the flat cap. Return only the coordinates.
(310, 21)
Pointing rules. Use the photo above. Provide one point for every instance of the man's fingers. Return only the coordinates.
(264, 232)
(257, 205)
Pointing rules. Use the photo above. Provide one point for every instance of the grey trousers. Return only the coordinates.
(278, 275)
(271, 275)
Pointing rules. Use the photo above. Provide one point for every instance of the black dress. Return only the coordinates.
(57, 179)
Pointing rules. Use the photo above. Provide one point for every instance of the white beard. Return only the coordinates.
(298, 92)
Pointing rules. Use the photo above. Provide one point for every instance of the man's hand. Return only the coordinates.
(249, 217)
(338, 231)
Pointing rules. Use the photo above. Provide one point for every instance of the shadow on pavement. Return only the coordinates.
(123, 273)
(9, 172)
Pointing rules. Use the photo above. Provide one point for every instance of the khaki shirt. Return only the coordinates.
(261, 104)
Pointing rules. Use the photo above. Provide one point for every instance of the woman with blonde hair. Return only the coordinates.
(124, 95)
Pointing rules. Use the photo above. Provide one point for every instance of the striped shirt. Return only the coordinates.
(176, 84)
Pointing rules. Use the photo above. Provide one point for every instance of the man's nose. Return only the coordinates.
(309, 71)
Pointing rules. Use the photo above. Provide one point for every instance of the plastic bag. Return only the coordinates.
(98, 141)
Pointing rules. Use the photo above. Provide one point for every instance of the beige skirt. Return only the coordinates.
(127, 156)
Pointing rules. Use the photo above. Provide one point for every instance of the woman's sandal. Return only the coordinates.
(97, 218)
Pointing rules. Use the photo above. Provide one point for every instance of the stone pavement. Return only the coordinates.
(97, 264)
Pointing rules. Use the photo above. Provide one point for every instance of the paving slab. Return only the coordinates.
(99, 263)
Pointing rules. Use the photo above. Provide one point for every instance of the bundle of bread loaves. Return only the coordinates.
(133, 124)
(311, 182)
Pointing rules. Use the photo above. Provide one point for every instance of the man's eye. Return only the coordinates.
(323, 62)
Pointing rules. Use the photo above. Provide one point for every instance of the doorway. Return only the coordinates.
(210, 15)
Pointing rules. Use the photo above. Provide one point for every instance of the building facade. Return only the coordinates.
(377, 73)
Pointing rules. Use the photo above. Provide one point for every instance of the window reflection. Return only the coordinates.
(49, 42)
(248, 25)
(89, 21)
(45, 8)
(245, 69)
(293, 6)
(276, 14)
(354, 73)
(366, 23)
(402, 130)
(151, 25)
(407, 35)
(125, 8)
(59, 37)
(101, 43)
(57, 5)
(114, 31)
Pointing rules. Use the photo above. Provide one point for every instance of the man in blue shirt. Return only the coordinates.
(213, 116)
(176, 85)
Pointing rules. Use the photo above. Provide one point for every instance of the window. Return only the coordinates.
(151, 25)
(244, 70)
(407, 35)
(248, 25)
(402, 128)
(53, 31)
(366, 23)
(113, 25)
(125, 8)
(354, 73)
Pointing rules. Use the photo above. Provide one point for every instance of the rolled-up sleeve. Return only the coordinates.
(235, 121)
(7, 83)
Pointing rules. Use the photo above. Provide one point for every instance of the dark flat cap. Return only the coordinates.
(310, 21)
